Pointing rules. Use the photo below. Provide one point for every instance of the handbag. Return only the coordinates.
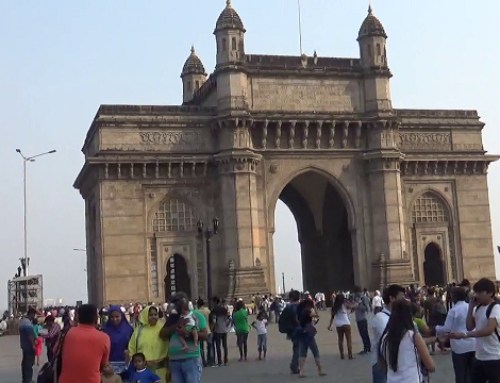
(50, 371)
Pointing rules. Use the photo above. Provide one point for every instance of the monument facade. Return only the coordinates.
(380, 195)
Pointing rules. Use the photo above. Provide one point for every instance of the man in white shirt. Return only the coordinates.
(378, 325)
(463, 350)
(483, 323)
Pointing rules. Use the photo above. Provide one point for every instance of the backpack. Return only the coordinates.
(488, 313)
(288, 321)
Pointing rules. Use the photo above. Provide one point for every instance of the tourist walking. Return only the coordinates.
(307, 314)
(401, 349)
(289, 325)
(462, 350)
(27, 339)
(242, 328)
(260, 324)
(361, 310)
(85, 350)
(483, 318)
(119, 331)
(146, 340)
(379, 322)
(208, 357)
(221, 321)
(53, 332)
(340, 316)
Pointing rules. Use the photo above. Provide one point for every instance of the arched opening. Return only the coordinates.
(433, 266)
(431, 215)
(325, 242)
(177, 277)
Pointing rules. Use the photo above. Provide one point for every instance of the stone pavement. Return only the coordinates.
(273, 370)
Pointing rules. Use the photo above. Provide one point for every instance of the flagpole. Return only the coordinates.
(300, 28)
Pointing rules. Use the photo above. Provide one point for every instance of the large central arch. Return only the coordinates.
(324, 218)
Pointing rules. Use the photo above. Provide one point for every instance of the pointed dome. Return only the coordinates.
(229, 19)
(371, 26)
(193, 64)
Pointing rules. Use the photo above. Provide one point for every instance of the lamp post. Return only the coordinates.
(283, 281)
(208, 233)
(25, 161)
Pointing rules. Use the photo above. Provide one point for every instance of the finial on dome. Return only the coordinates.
(192, 50)
(370, 10)
(228, 3)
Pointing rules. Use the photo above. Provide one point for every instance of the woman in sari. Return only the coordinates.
(146, 340)
(119, 331)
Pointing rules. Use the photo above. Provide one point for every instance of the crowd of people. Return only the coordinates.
(172, 342)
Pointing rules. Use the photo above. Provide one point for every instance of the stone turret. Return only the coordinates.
(372, 41)
(193, 76)
(232, 82)
(230, 35)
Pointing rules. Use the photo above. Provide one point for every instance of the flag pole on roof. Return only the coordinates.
(300, 28)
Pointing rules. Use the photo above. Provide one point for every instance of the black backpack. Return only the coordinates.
(488, 313)
(288, 321)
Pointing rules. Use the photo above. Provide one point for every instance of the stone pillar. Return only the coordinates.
(386, 199)
(240, 227)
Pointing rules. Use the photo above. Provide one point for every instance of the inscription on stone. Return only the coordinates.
(175, 139)
(334, 98)
(425, 141)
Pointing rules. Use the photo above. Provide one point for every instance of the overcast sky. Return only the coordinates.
(59, 60)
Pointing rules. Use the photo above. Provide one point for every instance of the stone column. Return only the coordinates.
(240, 227)
(386, 199)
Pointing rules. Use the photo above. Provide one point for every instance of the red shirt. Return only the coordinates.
(85, 352)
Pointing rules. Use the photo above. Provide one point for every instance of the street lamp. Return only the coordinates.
(208, 234)
(25, 161)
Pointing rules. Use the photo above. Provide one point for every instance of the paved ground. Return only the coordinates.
(271, 371)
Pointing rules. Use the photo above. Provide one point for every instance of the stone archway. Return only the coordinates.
(177, 277)
(323, 227)
(434, 270)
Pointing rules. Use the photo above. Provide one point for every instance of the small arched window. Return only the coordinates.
(242, 46)
(189, 86)
(224, 45)
(233, 44)
(197, 85)
(379, 50)
(369, 50)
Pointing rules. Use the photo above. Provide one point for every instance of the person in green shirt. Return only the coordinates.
(242, 328)
(185, 364)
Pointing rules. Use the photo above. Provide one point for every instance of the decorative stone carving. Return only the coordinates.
(274, 168)
(306, 135)
(331, 141)
(345, 134)
(277, 141)
(291, 139)
(425, 141)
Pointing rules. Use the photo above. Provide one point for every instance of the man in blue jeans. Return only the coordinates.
(185, 365)
(28, 347)
(294, 302)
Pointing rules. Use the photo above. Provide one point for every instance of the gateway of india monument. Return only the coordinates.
(380, 195)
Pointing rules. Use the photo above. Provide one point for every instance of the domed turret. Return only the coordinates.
(230, 36)
(193, 75)
(193, 65)
(371, 26)
(229, 19)
(372, 42)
